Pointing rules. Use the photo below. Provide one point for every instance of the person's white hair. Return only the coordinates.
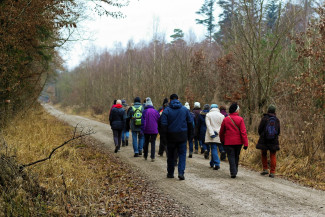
(118, 102)
(187, 105)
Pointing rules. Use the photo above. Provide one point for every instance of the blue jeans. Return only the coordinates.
(173, 149)
(190, 145)
(196, 142)
(215, 161)
(125, 135)
(205, 147)
(137, 145)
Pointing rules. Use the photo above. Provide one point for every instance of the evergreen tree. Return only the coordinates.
(206, 11)
(177, 36)
(272, 13)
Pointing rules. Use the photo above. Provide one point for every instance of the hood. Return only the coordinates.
(204, 112)
(175, 104)
(118, 106)
(214, 110)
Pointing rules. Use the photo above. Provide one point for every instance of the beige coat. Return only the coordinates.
(213, 121)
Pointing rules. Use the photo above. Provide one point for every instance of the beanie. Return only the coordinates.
(233, 108)
(123, 101)
(137, 99)
(197, 105)
(165, 101)
(271, 109)
(187, 105)
(214, 106)
(206, 107)
(173, 96)
(148, 101)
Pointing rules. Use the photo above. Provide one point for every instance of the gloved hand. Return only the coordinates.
(245, 147)
(213, 136)
(215, 133)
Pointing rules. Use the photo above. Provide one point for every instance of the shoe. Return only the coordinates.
(190, 155)
(116, 149)
(181, 177)
(233, 176)
(145, 158)
(206, 154)
(160, 154)
(196, 152)
(223, 156)
(152, 159)
(271, 175)
(140, 152)
(215, 167)
(123, 143)
(264, 172)
(136, 155)
(170, 176)
(202, 151)
(126, 142)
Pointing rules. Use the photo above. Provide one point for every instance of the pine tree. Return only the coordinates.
(206, 11)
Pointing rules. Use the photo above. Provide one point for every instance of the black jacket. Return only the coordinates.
(117, 118)
(263, 143)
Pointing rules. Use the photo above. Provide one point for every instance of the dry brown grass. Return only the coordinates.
(81, 178)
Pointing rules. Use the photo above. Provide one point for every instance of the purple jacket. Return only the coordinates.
(150, 119)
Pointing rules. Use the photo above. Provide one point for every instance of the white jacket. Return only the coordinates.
(213, 121)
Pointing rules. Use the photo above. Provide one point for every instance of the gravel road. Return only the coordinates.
(213, 193)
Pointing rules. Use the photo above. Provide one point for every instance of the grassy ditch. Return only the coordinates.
(80, 179)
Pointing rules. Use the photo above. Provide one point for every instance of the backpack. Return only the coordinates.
(137, 115)
(270, 129)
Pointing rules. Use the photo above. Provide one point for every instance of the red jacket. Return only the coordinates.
(229, 134)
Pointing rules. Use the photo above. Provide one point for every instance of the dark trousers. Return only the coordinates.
(117, 137)
(152, 139)
(233, 152)
(174, 149)
(162, 147)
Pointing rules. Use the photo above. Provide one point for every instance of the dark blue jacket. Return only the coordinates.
(117, 118)
(202, 127)
(176, 122)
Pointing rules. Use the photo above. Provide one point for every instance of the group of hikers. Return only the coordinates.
(210, 128)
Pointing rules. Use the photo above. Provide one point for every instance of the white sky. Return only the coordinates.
(106, 32)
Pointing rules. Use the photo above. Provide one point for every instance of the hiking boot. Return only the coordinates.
(206, 154)
(264, 172)
(123, 143)
(233, 176)
(202, 151)
(126, 142)
(215, 167)
(223, 156)
(161, 154)
(136, 155)
(140, 152)
(152, 159)
(190, 155)
(116, 149)
(196, 152)
(271, 175)
(170, 176)
(181, 177)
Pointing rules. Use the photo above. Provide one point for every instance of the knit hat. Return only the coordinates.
(233, 108)
(165, 101)
(271, 109)
(137, 99)
(123, 101)
(214, 106)
(148, 101)
(173, 96)
(197, 105)
(187, 105)
(206, 107)
(114, 101)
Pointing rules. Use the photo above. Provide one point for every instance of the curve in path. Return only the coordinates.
(213, 193)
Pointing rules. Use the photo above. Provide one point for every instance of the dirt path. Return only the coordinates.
(214, 193)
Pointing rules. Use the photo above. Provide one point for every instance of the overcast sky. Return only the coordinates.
(106, 32)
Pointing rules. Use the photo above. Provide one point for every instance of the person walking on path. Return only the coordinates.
(233, 135)
(149, 127)
(223, 111)
(196, 110)
(117, 121)
(134, 115)
(269, 131)
(213, 121)
(190, 141)
(176, 123)
(162, 144)
(126, 130)
(202, 128)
